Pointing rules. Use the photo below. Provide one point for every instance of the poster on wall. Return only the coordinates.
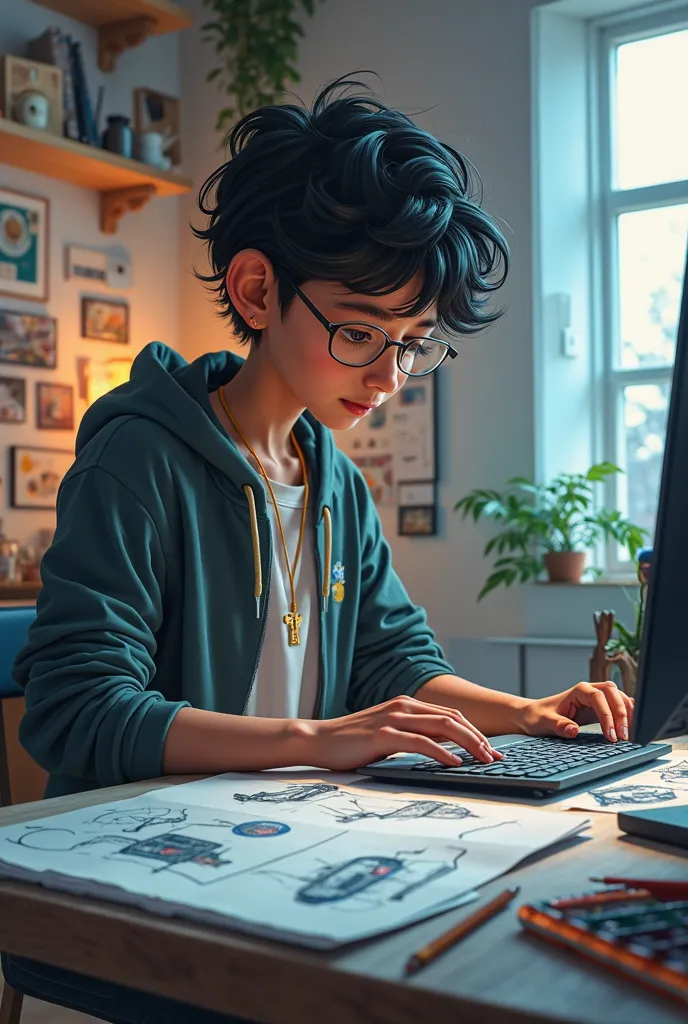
(396, 442)
(37, 474)
(23, 245)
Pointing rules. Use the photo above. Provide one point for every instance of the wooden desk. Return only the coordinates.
(497, 976)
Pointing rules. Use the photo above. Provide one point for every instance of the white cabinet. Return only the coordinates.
(526, 665)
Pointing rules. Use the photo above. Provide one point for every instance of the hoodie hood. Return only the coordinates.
(164, 388)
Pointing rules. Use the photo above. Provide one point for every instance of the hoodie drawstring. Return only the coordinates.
(327, 569)
(255, 541)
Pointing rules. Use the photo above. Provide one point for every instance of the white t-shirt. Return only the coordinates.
(286, 682)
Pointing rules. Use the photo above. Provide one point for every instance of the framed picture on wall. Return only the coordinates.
(417, 521)
(23, 245)
(12, 400)
(103, 320)
(28, 340)
(36, 474)
(54, 406)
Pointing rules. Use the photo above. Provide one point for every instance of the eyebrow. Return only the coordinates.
(380, 312)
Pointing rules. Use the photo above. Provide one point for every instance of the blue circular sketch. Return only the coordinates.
(261, 829)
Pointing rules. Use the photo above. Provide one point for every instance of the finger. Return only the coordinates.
(397, 742)
(422, 707)
(446, 727)
(588, 696)
(617, 706)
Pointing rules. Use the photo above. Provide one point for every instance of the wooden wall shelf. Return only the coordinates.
(122, 23)
(123, 184)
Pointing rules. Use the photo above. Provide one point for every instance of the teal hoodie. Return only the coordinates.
(149, 588)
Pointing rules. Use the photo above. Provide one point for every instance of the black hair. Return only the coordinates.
(354, 192)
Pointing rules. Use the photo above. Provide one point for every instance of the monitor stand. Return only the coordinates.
(662, 824)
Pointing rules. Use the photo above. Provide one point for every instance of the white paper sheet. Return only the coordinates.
(665, 783)
(300, 857)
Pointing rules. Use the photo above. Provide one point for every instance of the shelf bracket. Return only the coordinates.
(114, 39)
(114, 204)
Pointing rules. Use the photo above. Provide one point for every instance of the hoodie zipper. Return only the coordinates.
(263, 629)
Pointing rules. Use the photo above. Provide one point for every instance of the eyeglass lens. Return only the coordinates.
(360, 344)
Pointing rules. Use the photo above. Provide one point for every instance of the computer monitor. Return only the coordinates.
(661, 703)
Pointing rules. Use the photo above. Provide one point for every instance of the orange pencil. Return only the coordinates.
(450, 938)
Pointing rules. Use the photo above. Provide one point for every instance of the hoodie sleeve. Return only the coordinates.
(89, 662)
(395, 650)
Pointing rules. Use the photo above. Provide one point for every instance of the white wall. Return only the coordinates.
(151, 237)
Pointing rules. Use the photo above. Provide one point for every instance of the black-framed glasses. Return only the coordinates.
(353, 343)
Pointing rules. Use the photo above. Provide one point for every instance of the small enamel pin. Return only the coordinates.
(338, 582)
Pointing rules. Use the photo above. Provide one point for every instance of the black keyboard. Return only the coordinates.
(539, 757)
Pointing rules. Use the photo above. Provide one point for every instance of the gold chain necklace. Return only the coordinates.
(292, 620)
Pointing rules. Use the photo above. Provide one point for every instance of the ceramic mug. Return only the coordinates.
(150, 148)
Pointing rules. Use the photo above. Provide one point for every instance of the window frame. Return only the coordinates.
(606, 35)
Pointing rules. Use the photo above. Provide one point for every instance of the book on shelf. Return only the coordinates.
(88, 131)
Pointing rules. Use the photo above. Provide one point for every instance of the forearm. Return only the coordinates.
(207, 742)
(491, 711)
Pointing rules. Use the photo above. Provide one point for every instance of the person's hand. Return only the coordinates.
(403, 724)
(583, 704)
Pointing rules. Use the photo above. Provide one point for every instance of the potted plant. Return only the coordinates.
(548, 526)
(256, 46)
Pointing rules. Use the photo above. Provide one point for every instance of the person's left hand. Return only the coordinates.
(583, 704)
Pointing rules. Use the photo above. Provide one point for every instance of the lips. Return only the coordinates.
(357, 408)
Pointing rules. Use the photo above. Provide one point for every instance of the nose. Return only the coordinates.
(384, 374)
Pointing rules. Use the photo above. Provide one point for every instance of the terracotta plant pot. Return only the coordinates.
(564, 566)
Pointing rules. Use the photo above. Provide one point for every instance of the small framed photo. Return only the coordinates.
(12, 400)
(54, 406)
(417, 520)
(36, 475)
(28, 340)
(103, 320)
(23, 245)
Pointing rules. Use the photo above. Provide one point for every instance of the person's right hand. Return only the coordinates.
(402, 724)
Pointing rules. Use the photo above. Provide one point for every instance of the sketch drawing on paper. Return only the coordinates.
(404, 812)
(293, 793)
(139, 818)
(630, 794)
(365, 881)
(674, 774)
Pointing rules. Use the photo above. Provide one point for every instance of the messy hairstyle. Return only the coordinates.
(353, 192)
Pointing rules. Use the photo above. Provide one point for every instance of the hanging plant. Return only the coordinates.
(255, 42)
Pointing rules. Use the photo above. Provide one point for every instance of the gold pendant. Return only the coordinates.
(293, 621)
(338, 591)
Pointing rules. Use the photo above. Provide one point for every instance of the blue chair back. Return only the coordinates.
(14, 631)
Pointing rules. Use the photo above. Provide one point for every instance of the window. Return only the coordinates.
(643, 175)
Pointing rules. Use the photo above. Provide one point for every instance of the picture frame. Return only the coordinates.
(98, 376)
(54, 406)
(403, 432)
(105, 320)
(28, 339)
(24, 245)
(417, 521)
(36, 474)
(12, 400)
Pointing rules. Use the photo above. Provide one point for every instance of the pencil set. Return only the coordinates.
(631, 931)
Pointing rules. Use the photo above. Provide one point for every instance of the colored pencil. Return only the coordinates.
(661, 889)
(450, 938)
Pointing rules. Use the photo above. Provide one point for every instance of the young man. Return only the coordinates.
(219, 595)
